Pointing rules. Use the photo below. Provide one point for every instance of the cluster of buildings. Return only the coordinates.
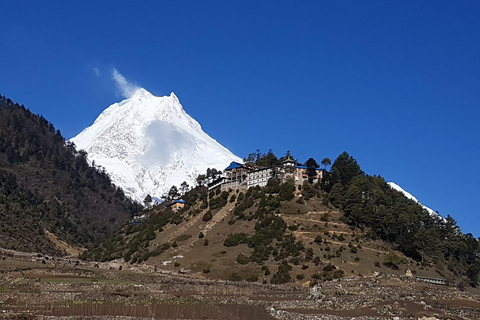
(244, 176)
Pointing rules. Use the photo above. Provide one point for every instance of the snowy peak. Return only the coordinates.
(149, 143)
(411, 197)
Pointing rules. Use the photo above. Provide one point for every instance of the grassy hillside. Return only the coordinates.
(47, 185)
(280, 234)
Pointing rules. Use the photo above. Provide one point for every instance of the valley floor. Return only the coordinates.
(69, 289)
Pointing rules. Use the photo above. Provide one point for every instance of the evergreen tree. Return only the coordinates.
(312, 166)
(326, 162)
(148, 200)
(344, 169)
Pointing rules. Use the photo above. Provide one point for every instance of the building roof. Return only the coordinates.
(234, 165)
(176, 201)
(303, 167)
(289, 159)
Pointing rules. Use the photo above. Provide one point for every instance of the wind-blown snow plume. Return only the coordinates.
(125, 88)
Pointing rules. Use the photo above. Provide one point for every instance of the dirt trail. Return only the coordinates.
(218, 217)
(193, 227)
(170, 233)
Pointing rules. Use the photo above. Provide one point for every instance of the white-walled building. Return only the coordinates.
(259, 177)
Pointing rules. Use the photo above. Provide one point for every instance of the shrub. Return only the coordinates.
(265, 270)
(218, 202)
(207, 216)
(287, 190)
(183, 237)
(329, 267)
(318, 240)
(235, 277)
(392, 261)
(235, 239)
(283, 274)
(176, 219)
(242, 259)
(252, 278)
(309, 254)
(337, 274)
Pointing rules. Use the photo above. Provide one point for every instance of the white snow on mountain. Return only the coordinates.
(411, 197)
(148, 143)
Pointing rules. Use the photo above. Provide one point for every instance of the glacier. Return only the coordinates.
(147, 144)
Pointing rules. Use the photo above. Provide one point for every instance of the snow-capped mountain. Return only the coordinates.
(148, 143)
(411, 197)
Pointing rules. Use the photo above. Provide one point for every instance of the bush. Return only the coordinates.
(392, 261)
(252, 278)
(207, 216)
(235, 277)
(235, 239)
(265, 270)
(283, 274)
(287, 190)
(242, 259)
(318, 240)
(219, 202)
(176, 219)
(329, 267)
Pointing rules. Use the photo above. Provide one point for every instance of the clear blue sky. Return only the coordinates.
(394, 83)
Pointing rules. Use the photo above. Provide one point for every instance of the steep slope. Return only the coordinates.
(148, 143)
(47, 186)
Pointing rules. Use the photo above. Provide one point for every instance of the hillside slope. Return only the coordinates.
(46, 185)
(348, 224)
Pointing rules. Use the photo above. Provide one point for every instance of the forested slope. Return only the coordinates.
(45, 183)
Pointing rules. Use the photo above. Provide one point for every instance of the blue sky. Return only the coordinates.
(394, 83)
